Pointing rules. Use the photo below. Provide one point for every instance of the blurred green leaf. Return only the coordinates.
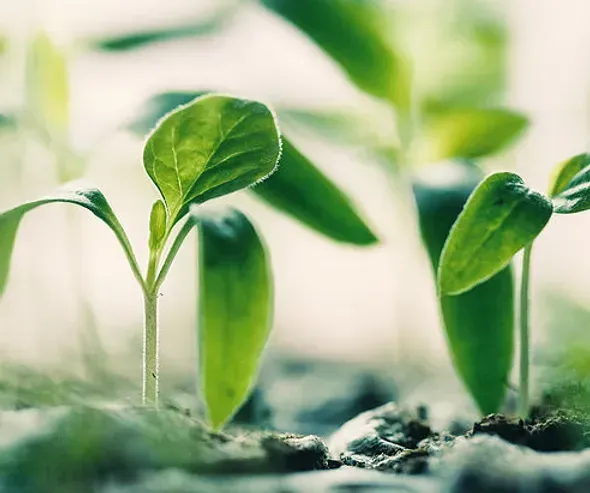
(479, 324)
(500, 218)
(468, 133)
(564, 173)
(354, 35)
(343, 127)
(575, 197)
(235, 310)
(299, 189)
(210, 147)
(89, 198)
(198, 28)
(7, 121)
(158, 106)
(48, 86)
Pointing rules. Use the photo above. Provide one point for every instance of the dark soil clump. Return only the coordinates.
(548, 431)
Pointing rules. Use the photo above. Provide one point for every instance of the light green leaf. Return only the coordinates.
(479, 324)
(299, 189)
(467, 133)
(355, 36)
(500, 218)
(576, 196)
(48, 86)
(211, 147)
(157, 225)
(565, 172)
(207, 25)
(89, 198)
(235, 311)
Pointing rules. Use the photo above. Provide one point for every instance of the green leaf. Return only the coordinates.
(89, 198)
(158, 106)
(209, 148)
(207, 26)
(7, 122)
(500, 218)
(235, 311)
(576, 196)
(299, 189)
(354, 35)
(564, 173)
(479, 327)
(47, 86)
(479, 324)
(157, 225)
(468, 133)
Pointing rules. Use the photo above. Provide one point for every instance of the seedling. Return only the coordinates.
(208, 148)
(502, 217)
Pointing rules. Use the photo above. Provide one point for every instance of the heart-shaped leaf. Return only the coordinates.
(572, 188)
(500, 218)
(74, 193)
(235, 310)
(479, 324)
(211, 147)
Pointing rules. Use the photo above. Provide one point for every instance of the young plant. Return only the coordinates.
(502, 217)
(211, 147)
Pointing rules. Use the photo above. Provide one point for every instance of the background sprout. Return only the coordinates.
(502, 217)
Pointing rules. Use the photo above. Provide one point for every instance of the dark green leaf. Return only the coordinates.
(235, 311)
(211, 147)
(89, 198)
(468, 133)
(302, 191)
(576, 196)
(353, 34)
(479, 324)
(500, 218)
(564, 173)
(158, 106)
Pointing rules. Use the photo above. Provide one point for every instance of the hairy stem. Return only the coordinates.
(150, 350)
(523, 404)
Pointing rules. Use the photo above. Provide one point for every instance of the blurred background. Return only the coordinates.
(71, 295)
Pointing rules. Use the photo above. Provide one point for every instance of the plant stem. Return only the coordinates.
(149, 395)
(523, 405)
(182, 234)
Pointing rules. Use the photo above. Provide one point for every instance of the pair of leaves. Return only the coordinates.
(479, 324)
(204, 149)
(503, 216)
(297, 188)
